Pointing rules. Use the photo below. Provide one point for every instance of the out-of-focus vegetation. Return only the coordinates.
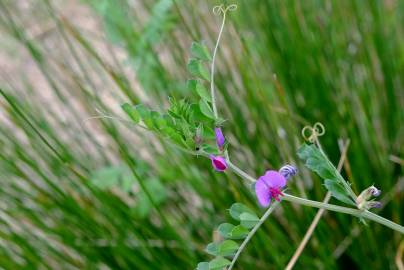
(101, 194)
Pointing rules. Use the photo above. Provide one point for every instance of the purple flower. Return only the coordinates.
(219, 138)
(269, 186)
(219, 163)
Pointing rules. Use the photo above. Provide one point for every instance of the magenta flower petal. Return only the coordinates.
(262, 192)
(274, 179)
(219, 137)
(218, 163)
(269, 186)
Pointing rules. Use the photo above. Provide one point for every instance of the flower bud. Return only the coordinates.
(198, 137)
(363, 203)
(218, 163)
(369, 193)
(374, 204)
(288, 171)
(220, 140)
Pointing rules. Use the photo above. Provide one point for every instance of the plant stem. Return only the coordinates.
(319, 214)
(239, 171)
(212, 69)
(345, 210)
(252, 232)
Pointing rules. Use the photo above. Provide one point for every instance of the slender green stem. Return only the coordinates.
(252, 232)
(212, 69)
(345, 210)
(239, 171)
(331, 207)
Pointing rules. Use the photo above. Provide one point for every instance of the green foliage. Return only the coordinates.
(248, 220)
(316, 161)
(132, 112)
(218, 263)
(227, 247)
(230, 231)
(200, 51)
(237, 209)
(203, 266)
(197, 69)
(197, 86)
(337, 62)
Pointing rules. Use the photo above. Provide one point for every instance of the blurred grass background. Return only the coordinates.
(103, 194)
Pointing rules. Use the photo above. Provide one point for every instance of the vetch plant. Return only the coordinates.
(196, 128)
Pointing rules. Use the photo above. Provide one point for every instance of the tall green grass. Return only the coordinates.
(101, 194)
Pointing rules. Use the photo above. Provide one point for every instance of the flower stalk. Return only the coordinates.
(331, 207)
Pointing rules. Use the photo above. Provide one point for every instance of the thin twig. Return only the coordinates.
(252, 232)
(217, 10)
(336, 208)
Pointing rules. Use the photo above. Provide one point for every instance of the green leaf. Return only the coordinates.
(239, 232)
(212, 248)
(227, 248)
(229, 231)
(225, 229)
(142, 110)
(200, 51)
(160, 122)
(196, 68)
(338, 191)
(316, 161)
(237, 209)
(218, 263)
(334, 182)
(205, 109)
(203, 266)
(131, 112)
(248, 220)
(200, 89)
(203, 92)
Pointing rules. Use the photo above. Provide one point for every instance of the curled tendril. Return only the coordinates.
(311, 134)
(217, 10)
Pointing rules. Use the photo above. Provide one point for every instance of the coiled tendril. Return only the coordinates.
(220, 9)
(311, 134)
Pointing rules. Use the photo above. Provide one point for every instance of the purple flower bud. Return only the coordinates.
(218, 163)
(363, 202)
(288, 171)
(375, 192)
(219, 138)
(373, 204)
